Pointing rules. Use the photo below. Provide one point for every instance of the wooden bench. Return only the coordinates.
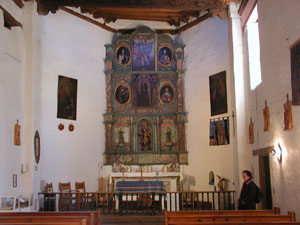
(44, 219)
(92, 218)
(224, 212)
(56, 223)
(225, 217)
(235, 223)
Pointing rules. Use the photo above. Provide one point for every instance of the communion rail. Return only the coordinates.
(137, 202)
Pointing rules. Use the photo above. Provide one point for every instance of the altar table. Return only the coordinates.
(140, 186)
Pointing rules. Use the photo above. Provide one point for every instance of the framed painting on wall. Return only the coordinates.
(166, 92)
(165, 55)
(66, 98)
(218, 93)
(143, 55)
(219, 132)
(123, 54)
(295, 69)
(122, 93)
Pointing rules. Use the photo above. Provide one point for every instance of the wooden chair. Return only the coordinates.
(65, 198)
(83, 199)
(49, 199)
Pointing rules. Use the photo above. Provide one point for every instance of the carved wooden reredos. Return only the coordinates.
(145, 117)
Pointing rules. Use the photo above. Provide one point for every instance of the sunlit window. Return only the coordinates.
(253, 49)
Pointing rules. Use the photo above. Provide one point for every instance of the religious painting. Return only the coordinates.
(144, 90)
(219, 132)
(165, 55)
(145, 135)
(122, 93)
(123, 54)
(143, 54)
(295, 69)
(67, 98)
(166, 92)
(218, 93)
(211, 178)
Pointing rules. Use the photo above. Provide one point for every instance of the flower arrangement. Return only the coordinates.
(122, 168)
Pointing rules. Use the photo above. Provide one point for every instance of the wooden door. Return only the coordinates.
(265, 181)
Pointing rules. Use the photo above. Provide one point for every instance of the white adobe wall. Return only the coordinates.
(74, 48)
(11, 102)
(279, 28)
(206, 53)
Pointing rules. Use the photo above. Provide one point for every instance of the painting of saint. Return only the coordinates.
(145, 135)
(123, 55)
(143, 53)
(218, 93)
(166, 94)
(295, 69)
(219, 132)
(122, 94)
(165, 55)
(67, 98)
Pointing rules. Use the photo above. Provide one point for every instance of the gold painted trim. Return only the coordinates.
(124, 83)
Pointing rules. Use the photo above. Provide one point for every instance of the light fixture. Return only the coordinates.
(277, 152)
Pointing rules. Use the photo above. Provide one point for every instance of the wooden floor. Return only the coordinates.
(132, 220)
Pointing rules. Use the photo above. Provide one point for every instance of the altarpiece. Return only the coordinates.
(145, 118)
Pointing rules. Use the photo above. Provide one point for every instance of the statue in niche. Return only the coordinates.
(121, 137)
(266, 113)
(168, 135)
(145, 136)
(288, 122)
(251, 132)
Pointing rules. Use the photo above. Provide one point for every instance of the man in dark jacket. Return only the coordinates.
(248, 192)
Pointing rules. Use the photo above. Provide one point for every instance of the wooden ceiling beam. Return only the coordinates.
(145, 16)
(88, 19)
(153, 4)
(193, 23)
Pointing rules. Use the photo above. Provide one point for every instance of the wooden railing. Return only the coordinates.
(137, 202)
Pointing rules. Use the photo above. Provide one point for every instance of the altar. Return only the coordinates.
(170, 179)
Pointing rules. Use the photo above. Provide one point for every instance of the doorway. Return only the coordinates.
(265, 181)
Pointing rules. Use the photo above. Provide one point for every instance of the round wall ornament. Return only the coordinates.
(71, 127)
(61, 126)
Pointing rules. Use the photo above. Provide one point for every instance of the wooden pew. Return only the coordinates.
(94, 217)
(235, 223)
(68, 223)
(224, 212)
(225, 216)
(44, 220)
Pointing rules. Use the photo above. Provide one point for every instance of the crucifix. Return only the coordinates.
(233, 115)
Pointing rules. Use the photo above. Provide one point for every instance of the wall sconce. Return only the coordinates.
(277, 152)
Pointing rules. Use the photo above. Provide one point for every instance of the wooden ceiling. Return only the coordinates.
(179, 13)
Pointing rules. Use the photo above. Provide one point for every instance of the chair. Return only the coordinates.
(49, 198)
(65, 199)
(83, 198)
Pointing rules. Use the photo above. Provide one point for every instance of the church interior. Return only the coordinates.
(186, 93)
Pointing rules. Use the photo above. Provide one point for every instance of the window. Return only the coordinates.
(253, 49)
